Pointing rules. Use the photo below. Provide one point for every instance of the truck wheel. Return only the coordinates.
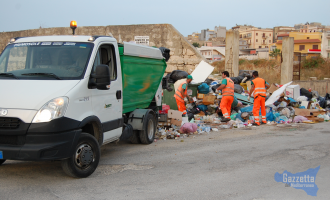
(135, 139)
(2, 161)
(85, 157)
(147, 135)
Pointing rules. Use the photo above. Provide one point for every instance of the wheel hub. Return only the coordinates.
(84, 155)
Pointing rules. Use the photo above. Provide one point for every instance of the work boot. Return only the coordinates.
(256, 124)
(264, 123)
(223, 119)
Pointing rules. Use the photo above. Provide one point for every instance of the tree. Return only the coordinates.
(275, 53)
(196, 44)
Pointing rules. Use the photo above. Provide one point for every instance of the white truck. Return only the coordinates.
(62, 97)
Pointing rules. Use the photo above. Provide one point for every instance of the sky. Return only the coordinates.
(187, 16)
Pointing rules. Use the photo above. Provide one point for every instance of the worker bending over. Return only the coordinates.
(181, 94)
(227, 87)
(259, 87)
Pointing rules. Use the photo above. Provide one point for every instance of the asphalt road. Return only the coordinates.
(229, 164)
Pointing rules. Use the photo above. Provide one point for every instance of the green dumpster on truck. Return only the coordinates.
(141, 78)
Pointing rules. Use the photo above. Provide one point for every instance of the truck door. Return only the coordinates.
(107, 104)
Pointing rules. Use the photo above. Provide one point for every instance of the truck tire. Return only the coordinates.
(2, 161)
(147, 135)
(135, 138)
(85, 157)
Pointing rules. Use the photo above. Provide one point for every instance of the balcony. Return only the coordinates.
(249, 35)
(264, 36)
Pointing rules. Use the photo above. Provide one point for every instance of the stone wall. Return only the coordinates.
(183, 55)
(320, 86)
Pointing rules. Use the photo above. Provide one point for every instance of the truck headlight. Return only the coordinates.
(53, 109)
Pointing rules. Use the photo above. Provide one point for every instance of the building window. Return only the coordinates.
(260, 47)
(328, 55)
(270, 34)
(270, 41)
(266, 46)
(307, 38)
(256, 40)
(256, 34)
(301, 47)
(315, 46)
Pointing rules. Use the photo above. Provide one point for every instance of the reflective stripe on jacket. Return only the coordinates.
(178, 92)
(229, 89)
(259, 87)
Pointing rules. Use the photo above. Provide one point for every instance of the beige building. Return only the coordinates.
(257, 37)
(281, 30)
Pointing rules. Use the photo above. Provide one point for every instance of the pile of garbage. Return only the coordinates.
(285, 104)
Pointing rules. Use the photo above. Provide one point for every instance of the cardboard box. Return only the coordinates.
(272, 88)
(174, 114)
(317, 112)
(292, 91)
(208, 100)
(200, 96)
(315, 119)
(302, 112)
(176, 122)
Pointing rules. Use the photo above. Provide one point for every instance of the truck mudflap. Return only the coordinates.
(40, 147)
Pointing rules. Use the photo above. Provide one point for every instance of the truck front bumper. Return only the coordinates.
(43, 146)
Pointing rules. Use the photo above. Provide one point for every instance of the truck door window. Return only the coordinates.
(106, 55)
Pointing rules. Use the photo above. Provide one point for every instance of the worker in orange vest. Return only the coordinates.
(181, 94)
(227, 87)
(259, 87)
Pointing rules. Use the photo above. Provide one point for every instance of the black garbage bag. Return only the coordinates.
(322, 102)
(235, 80)
(165, 52)
(238, 89)
(178, 74)
(306, 93)
(208, 81)
(215, 87)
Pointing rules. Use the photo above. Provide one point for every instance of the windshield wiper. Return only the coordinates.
(43, 74)
(9, 74)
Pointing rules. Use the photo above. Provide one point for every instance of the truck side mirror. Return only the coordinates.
(101, 77)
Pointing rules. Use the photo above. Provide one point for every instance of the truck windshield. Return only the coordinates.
(45, 60)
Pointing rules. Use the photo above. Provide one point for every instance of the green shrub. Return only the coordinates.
(313, 62)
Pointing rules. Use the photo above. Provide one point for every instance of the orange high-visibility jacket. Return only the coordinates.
(229, 89)
(178, 92)
(259, 87)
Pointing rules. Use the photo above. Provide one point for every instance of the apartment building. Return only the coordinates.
(280, 30)
(257, 37)
(325, 46)
(213, 53)
(308, 44)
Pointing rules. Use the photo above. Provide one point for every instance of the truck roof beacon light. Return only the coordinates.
(12, 40)
(73, 26)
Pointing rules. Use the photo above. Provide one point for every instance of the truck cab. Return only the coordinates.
(62, 98)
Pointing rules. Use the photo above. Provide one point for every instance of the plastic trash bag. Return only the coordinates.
(178, 74)
(215, 87)
(203, 88)
(188, 128)
(299, 119)
(302, 98)
(247, 109)
(202, 107)
(306, 93)
(238, 89)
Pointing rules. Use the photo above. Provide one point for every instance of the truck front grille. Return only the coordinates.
(12, 139)
(9, 123)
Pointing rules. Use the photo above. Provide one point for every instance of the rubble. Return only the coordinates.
(285, 105)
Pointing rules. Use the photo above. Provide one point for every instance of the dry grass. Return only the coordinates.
(270, 69)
